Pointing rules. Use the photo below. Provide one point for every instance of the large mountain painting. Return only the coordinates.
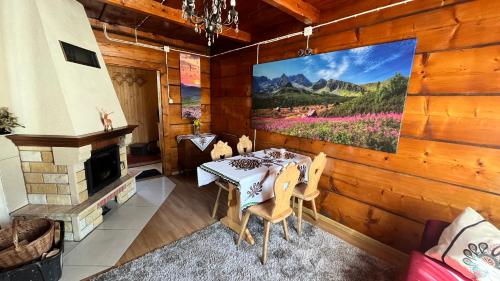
(353, 97)
(190, 86)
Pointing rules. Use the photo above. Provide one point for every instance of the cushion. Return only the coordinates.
(432, 231)
(424, 268)
(471, 246)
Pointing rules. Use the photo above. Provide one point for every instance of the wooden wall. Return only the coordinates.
(137, 91)
(116, 54)
(449, 152)
(178, 125)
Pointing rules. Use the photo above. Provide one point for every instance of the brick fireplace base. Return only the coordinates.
(55, 175)
(81, 219)
(49, 183)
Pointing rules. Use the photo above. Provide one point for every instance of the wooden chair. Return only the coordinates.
(274, 210)
(308, 192)
(244, 145)
(221, 150)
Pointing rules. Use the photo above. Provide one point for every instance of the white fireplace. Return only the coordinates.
(42, 85)
(53, 77)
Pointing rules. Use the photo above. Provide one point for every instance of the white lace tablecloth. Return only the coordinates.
(254, 173)
(201, 141)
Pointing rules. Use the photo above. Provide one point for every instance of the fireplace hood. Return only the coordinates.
(52, 74)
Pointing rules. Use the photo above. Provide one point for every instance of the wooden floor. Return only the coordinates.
(188, 209)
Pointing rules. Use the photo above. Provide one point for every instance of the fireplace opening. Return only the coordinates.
(102, 168)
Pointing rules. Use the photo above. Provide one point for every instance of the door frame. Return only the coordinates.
(161, 79)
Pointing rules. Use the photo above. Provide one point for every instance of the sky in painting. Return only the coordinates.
(360, 65)
(190, 70)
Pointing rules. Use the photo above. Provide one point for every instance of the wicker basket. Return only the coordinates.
(25, 241)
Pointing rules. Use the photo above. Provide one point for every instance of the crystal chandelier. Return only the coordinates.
(211, 20)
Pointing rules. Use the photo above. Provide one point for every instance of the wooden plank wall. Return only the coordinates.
(137, 91)
(117, 54)
(449, 152)
(178, 125)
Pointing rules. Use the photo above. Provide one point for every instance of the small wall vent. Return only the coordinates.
(79, 55)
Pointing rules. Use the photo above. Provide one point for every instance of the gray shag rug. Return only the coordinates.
(211, 254)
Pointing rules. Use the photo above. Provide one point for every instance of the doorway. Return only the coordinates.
(138, 93)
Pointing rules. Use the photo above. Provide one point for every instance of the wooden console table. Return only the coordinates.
(190, 156)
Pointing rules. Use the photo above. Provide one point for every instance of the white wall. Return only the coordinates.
(50, 95)
(4, 211)
(13, 188)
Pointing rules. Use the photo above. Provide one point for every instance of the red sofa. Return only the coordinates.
(423, 268)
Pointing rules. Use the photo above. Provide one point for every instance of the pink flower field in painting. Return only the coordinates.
(191, 112)
(378, 131)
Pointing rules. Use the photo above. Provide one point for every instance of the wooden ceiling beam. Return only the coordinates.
(156, 9)
(150, 37)
(299, 9)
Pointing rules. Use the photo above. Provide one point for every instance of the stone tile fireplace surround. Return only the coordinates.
(49, 183)
(56, 183)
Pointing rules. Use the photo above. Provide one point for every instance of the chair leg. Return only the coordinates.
(293, 204)
(266, 241)
(243, 227)
(285, 230)
(299, 217)
(216, 205)
(314, 210)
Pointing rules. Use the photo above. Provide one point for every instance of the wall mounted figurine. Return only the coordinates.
(106, 120)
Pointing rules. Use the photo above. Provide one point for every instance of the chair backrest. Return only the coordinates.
(221, 150)
(244, 145)
(315, 172)
(283, 188)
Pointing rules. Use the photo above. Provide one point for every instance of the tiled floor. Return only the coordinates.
(105, 245)
(156, 166)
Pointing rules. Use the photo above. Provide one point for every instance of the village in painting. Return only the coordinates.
(353, 97)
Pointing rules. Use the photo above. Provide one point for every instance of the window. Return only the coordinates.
(79, 55)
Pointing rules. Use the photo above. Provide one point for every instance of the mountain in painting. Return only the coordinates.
(336, 97)
(300, 79)
(264, 85)
(318, 85)
(191, 92)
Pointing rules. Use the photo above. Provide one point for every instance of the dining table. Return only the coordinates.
(250, 178)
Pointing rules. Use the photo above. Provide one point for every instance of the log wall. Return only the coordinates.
(449, 152)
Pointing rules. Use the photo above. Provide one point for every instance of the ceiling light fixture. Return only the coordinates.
(211, 19)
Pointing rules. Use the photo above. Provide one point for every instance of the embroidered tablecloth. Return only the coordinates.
(201, 141)
(253, 173)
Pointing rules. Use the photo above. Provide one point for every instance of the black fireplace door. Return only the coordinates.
(102, 168)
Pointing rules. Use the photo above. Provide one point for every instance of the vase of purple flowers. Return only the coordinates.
(196, 126)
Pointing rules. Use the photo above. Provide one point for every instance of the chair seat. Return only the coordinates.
(265, 209)
(222, 184)
(300, 190)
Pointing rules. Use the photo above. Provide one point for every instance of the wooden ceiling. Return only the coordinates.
(259, 19)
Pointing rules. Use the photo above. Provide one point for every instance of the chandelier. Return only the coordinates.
(211, 19)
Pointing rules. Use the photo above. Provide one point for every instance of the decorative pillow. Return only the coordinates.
(470, 245)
